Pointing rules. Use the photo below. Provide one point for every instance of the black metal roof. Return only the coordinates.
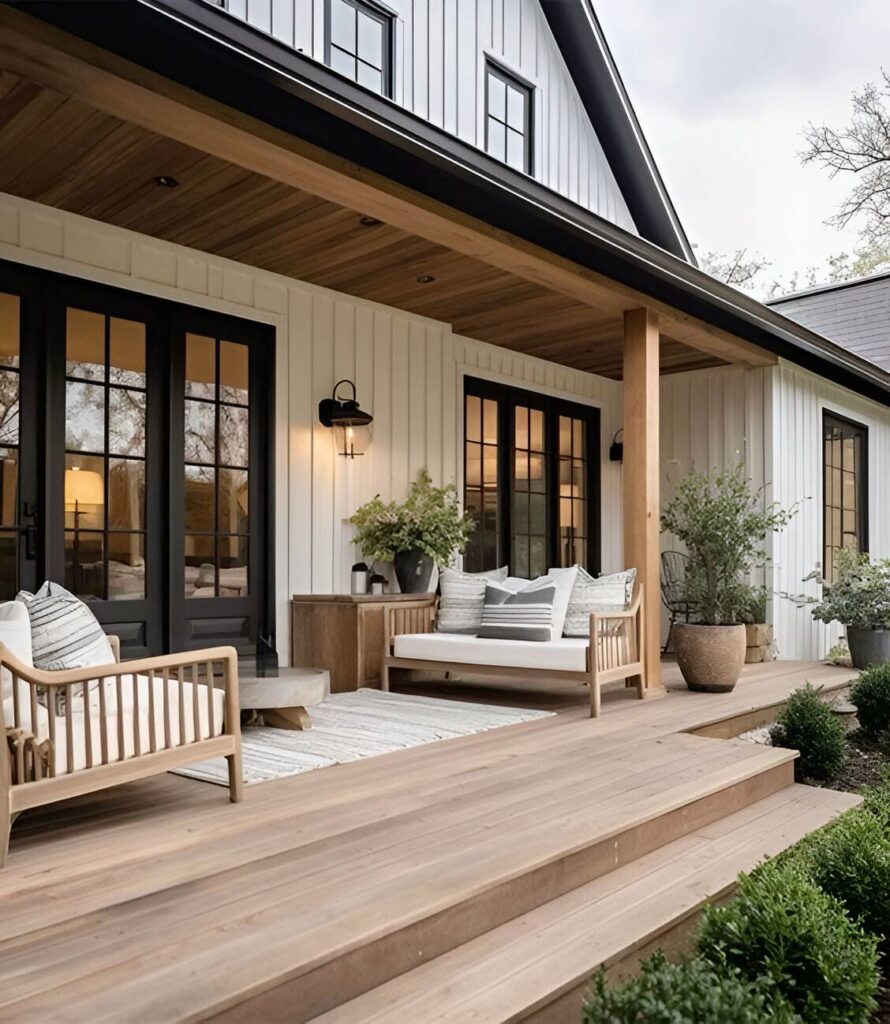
(854, 314)
(247, 70)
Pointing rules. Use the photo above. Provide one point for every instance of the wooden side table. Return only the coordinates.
(343, 633)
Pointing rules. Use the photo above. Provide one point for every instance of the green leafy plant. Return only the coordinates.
(871, 696)
(783, 927)
(839, 654)
(877, 801)
(859, 593)
(807, 724)
(850, 860)
(429, 519)
(691, 992)
(724, 523)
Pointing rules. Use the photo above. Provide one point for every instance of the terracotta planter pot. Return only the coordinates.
(710, 657)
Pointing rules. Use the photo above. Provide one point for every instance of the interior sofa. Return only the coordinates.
(79, 730)
(611, 653)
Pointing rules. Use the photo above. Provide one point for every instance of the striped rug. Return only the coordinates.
(352, 726)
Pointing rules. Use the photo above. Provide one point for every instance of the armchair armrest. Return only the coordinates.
(401, 620)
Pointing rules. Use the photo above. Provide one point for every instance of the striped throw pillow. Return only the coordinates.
(610, 593)
(522, 615)
(64, 632)
(461, 597)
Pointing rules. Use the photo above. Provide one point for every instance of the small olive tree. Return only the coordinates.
(724, 524)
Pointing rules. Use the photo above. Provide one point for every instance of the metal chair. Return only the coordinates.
(673, 576)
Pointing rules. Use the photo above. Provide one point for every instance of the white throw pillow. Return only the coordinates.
(564, 579)
(15, 634)
(462, 595)
(611, 593)
(64, 632)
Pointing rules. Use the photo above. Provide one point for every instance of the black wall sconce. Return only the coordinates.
(351, 425)
(616, 448)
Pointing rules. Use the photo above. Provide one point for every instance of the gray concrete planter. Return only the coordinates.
(868, 646)
(710, 657)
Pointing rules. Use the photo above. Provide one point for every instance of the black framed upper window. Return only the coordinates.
(845, 487)
(531, 480)
(359, 43)
(508, 118)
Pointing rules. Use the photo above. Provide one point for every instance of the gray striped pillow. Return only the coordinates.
(461, 596)
(610, 593)
(523, 615)
(64, 632)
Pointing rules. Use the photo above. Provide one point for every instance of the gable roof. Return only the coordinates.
(580, 38)
(853, 314)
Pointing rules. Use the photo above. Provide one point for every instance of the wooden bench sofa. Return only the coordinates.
(73, 732)
(412, 642)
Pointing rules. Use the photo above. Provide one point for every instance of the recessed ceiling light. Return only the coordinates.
(166, 181)
(425, 279)
(369, 222)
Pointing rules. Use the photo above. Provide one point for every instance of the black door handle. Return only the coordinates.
(30, 543)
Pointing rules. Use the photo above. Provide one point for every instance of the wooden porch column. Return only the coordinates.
(641, 478)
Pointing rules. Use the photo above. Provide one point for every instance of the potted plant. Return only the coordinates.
(724, 524)
(759, 635)
(428, 528)
(859, 598)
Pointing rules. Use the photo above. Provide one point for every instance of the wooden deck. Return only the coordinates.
(485, 876)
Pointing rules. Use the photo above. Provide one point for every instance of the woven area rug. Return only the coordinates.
(352, 726)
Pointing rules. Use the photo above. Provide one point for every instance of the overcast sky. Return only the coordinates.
(724, 88)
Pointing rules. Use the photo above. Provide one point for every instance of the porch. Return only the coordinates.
(494, 871)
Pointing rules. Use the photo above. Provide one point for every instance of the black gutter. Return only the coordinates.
(595, 75)
(223, 58)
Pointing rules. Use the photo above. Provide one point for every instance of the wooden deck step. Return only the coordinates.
(319, 921)
(538, 966)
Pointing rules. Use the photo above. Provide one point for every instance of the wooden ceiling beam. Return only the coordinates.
(61, 62)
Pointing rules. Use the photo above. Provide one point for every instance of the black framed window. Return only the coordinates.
(845, 487)
(10, 441)
(508, 118)
(531, 480)
(359, 43)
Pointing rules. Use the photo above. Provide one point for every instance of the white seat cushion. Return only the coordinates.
(125, 713)
(567, 654)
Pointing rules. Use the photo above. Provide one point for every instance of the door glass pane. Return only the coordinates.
(126, 422)
(200, 497)
(85, 564)
(127, 363)
(9, 483)
(233, 427)
(9, 329)
(9, 407)
(85, 417)
(85, 344)
(233, 501)
(126, 494)
(232, 566)
(104, 492)
(200, 566)
(233, 372)
(200, 366)
(200, 432)
(8, 565)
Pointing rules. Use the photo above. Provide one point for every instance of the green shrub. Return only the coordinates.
(808, 724)
(693, 992)
(783, 927)
(871, 696)
(850, 860)
(877, 801)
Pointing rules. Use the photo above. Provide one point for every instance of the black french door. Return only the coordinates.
(134, 439)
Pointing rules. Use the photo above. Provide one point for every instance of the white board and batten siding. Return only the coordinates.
(772, 419)
(439, 75)
(798, 403)
(408, 370)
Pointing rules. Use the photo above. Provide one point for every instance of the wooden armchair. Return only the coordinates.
(81, 730)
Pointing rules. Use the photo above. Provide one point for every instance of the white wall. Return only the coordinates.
(773, 419)
(440, 52)
(408, 370)
(798, 400)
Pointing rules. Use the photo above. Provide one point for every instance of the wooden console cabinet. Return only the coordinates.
(343, 633)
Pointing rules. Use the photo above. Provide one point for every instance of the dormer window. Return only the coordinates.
(359, 43)
(508, 120)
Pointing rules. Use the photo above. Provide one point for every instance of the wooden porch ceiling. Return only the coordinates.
(61, 150)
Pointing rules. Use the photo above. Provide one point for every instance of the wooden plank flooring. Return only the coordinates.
(161, 901)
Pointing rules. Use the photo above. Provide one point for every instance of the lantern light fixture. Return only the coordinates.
(616, 448)
(350, 423)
